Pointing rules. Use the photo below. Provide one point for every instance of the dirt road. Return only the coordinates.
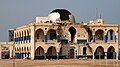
(59, 63)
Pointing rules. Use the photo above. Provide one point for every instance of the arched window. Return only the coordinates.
(110, 35)
(72, 31)
(51, 34)
(99, 35)
(39, 35)
(99, 53)
(111, 53)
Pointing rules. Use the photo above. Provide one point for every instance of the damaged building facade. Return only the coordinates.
(59, 36)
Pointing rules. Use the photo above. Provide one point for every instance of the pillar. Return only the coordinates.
(105, 38)
(117, 51)
(105, 57)
(32, 42)
(26, 40)
(58, 38)
(20, 56)
(108, 35)
(18, 40)
(29, 38)
(28, 55)
(45, 38)
(93, 38)
(45, 55)
(12, 52)
(57, 55)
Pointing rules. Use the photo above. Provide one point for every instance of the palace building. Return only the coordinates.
(59, 36)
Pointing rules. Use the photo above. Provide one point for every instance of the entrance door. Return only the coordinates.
(71, 53)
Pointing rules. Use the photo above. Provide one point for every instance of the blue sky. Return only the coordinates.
(14, 13)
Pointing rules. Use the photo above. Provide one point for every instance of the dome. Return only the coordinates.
(54, 16)
(64, 15)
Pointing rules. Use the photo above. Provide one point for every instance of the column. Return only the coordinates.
(45, 38)
(20, 55)
(25, 39)
(17, 40)
(25, 55)
(58, 38)
(105, 38)
(93, 38)
(29, 55)
(105, 55)
(32, 41)
(29, 38)
(57, 55)
(45, 55)
(108, 35)
(22, 39)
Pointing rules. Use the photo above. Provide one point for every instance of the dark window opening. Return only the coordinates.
(72, 31)
(111, 35)
(99, 34)
(52, 35)
(37, 36)
(84, 51)
(89, 35)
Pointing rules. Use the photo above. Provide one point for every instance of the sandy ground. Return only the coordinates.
(59, 63)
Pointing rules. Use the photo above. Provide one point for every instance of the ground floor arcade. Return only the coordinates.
(70, 52)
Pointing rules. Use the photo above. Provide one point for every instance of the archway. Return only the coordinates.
(51, 34)
(72, 31)
(99, 53)
(99, 35)
(39, 53)
(60, 54)
(71, 54)
(51, 53)
(39, 35)
(110, 52)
